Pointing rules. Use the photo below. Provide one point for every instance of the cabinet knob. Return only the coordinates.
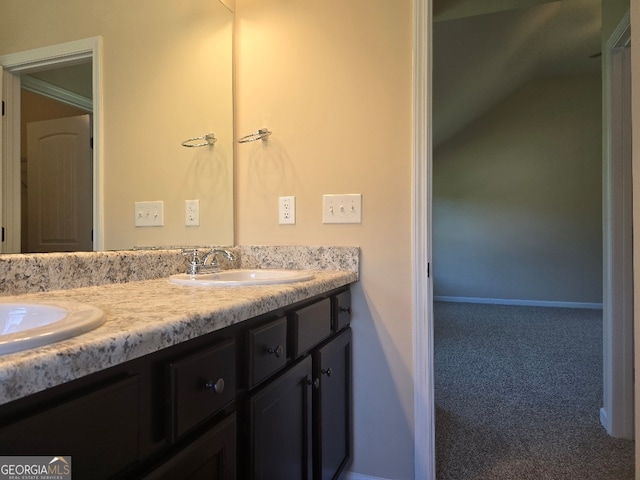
(326, 372)
(315, 382)
(345, 309)
(217, 386)
(276, 351)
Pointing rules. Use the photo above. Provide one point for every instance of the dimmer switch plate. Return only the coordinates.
(342, 208)
(149, 214)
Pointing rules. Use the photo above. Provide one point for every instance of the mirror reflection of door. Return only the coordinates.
(56, 92)
(58, 185)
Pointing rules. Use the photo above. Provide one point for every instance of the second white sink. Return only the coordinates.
(25, 325)
(242, 277)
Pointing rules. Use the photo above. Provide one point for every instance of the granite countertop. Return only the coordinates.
(143, 317)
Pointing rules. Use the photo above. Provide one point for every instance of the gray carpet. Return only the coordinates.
(518, 394)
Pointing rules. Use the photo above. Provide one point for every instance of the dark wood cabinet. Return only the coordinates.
(280, 418)
(300, 423)
(99, 430)
(309, 326)
(332, 407)
(198, 386)
(268, 398)
(341, 304)
(267, 350)
(212, 456)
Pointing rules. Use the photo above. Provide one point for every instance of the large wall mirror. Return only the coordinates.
(146, 76)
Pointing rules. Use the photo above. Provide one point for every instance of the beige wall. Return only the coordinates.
(166, 77)
(332, 80)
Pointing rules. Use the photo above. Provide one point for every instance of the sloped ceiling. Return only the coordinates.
(74, 78)
(483, 50)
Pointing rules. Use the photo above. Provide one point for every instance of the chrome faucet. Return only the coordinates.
(208, 263)
(213, 255)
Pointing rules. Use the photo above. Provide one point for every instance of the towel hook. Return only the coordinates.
(261, 134)
(209, 139)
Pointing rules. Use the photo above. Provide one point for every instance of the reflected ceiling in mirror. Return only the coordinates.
(166, 75)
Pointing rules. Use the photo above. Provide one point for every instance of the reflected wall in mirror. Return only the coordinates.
(166, 75)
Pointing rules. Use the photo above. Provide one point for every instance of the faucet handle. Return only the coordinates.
(194, 261)
(193, 252)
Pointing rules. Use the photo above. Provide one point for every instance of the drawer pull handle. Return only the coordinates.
(327, 372)
(277, 351)
(217, 387)
(345, 309)
(315, 382)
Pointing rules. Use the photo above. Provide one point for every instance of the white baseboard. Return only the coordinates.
(604, 420)
(359, 476)
(508, 301)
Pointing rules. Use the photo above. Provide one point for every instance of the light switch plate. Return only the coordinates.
(345, 208)
(149, 214)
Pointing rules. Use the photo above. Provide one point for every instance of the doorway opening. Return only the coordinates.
(43, 62)
(463, 100)
(56, 160)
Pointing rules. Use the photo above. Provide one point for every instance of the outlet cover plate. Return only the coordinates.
(192, 213)
(287, 210)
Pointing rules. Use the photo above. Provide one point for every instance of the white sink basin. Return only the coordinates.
(28, 325)
(242, 277)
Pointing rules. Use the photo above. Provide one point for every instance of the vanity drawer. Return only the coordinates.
(310, 325)
(267, 350)
(199, 385)
(342, 310)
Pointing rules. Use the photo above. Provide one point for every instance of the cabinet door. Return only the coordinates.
(280, 438)
(211, 457)
(332, 407)
(99, 430)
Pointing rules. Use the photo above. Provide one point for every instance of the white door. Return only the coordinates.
(59, 185)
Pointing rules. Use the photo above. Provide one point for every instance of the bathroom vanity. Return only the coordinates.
(250, 382)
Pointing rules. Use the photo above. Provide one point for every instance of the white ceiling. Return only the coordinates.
(483, 50)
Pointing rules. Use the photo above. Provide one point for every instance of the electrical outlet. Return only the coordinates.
(287, 210)
(342, 208)
(192, 213)
(149, 214)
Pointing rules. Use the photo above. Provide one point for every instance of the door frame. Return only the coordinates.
(14, 65)
(422, 284)
(617, 412)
